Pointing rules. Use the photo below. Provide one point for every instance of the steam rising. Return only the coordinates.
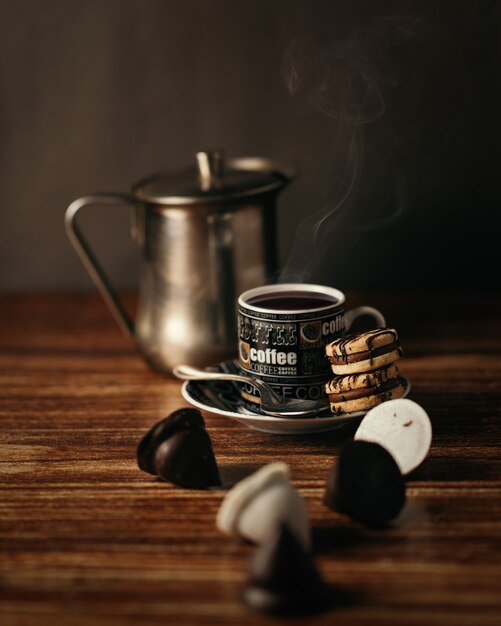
(349, 82)
(335, 80)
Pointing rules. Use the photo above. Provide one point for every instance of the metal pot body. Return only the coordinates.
(196, 261)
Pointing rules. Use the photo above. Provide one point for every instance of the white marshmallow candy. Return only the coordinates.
(261, 502)
(403, 428)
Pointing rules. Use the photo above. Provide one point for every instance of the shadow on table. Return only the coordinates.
(232, 473)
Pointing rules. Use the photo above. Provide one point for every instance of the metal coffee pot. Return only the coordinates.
(207, 234)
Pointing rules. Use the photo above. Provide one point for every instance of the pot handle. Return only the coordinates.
(90, 261)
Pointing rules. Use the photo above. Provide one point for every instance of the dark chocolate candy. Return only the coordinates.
(366, 484)
(186, 459)
(182, 419)
(283, 578)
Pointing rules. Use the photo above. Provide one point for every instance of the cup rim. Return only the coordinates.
(281, 287)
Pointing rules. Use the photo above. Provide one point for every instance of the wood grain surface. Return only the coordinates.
(87, 538)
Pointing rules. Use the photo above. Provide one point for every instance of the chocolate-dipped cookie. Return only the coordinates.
(366, 484)
(283, 579)
(362, 391)
(364, 352)
(179, 449)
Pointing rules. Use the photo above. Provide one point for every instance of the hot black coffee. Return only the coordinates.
(292, 301)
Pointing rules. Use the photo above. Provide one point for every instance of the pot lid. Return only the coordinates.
(213, 180)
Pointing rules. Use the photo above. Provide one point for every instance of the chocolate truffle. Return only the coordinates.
(403, 428)
(186, 459)
(260, 503)
(179, 449)
(366, 484)
(283, 579)
(182, 419)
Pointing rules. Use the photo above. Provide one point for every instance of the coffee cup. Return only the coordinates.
(282, 333)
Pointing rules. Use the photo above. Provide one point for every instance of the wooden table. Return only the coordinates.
(87, 538)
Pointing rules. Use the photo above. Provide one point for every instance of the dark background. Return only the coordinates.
(400, 98)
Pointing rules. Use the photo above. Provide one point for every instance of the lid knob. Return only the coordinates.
(210, 167)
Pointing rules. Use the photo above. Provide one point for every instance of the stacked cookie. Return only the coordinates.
(365, 369)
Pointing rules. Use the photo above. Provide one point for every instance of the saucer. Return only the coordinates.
(223, 398)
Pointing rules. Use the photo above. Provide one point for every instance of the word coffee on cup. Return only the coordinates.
(282, 334)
